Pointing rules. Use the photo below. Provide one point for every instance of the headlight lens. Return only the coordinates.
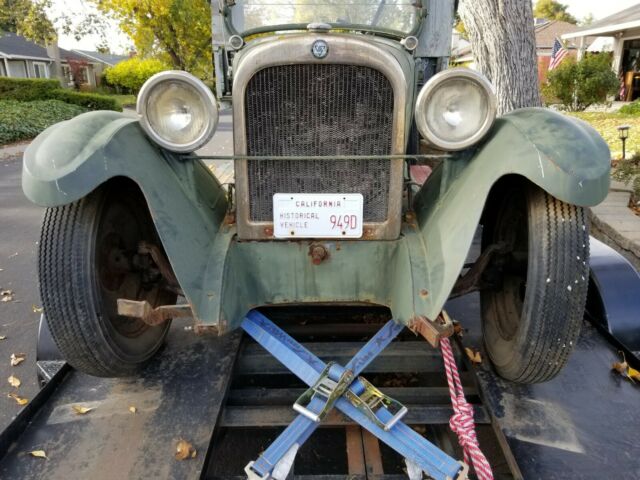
(455, 109)
(177, 111)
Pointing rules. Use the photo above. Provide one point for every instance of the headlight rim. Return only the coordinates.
(423, 97)
(208, 99)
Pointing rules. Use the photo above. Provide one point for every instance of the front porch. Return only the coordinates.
(624, 29)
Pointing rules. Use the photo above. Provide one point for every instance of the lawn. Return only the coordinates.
(607, 125)
(24, 120)
(123, 100)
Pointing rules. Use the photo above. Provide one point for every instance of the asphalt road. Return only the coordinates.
(20, 222)
(19, 235)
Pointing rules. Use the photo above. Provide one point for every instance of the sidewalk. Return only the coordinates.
(13, 150)
(615, 224)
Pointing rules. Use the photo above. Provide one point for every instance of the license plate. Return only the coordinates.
(317, 215)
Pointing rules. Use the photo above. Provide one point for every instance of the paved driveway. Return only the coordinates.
(19, 234)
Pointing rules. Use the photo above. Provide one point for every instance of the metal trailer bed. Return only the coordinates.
(230, 399)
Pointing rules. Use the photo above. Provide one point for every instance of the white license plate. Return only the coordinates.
(317, 215)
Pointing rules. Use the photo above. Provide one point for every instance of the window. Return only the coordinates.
(66, 75)
(40, 70)
(82, 75)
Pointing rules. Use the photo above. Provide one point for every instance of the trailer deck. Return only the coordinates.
(229, 398)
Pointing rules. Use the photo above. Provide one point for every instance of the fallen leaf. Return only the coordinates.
(4, 293)
(625, 370)
(633, 374)
(14, 381)
(475, 357)
(457, 329)
(17, 358)
(620, 367)
(37, 309)
(19, 400)
(7, 298)
(184, 450)
(3, 337)
(38, 453)
(80, 410)
(133, 409)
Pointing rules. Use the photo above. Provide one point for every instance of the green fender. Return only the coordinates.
(70, 159)
(223, 277)
(564, 156)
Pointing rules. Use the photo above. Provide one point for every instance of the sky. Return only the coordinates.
(120, 42)
(599, 8)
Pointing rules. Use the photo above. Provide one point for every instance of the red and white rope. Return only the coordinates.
(462, 420)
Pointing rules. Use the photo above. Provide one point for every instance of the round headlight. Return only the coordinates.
(178, 111)
(455, 109)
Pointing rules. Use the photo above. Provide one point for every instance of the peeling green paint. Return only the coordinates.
(223, 277)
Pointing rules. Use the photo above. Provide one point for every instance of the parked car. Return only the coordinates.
(334, 105)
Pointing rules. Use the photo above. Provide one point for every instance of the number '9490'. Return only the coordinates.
(344, 222)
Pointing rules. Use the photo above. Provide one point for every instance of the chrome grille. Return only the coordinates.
(319, 110)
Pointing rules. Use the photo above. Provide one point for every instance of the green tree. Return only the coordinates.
(175, 31)
(553, 10)
(579, 85)
(587, 20)
(131, 74)
(27, 18)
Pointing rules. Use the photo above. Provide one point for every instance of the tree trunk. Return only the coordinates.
(503, 42)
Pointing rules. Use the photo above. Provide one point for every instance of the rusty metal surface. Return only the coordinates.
(160, 260)
(434, 331)
(187, 381)
(149, 315)
(471, 281)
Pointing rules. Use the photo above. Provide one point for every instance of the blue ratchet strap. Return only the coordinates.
(309, 368)
(269, 336)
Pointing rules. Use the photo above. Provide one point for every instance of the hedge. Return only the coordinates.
(92, 101)
(27, 89)
(24, 120)
(30, 89)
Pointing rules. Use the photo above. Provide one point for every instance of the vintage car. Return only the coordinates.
(336, 106)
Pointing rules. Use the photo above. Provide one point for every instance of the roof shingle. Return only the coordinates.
(12, 44)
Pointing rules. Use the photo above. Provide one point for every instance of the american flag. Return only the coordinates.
(557, 54)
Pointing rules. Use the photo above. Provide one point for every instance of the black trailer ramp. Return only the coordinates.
(179, 396)
(231, 401)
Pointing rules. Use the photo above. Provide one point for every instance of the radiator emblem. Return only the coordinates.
(320, 49)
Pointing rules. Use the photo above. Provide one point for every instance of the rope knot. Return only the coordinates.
(462, 423)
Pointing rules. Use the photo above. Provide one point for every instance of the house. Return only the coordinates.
(75, 68)
(86, 65)
(623, 28)
(21, 58)
(97, 62)
(546, 34)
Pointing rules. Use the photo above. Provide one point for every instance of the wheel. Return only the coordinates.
(88, 259)
(533, 312)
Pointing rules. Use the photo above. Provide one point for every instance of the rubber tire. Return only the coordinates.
(70, 293)
(555, 292)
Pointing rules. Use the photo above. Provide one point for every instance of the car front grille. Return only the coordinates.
(319, 110)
